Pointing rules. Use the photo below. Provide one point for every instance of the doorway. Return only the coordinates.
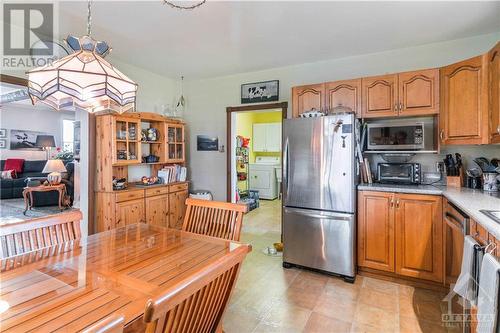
(254, 135)
(254, 139)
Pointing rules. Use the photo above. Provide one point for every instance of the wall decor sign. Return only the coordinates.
(3, 143)
(3, 133)
(267, 91)
(207, 143)
(24, 140)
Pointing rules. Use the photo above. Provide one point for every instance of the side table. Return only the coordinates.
(28, 194)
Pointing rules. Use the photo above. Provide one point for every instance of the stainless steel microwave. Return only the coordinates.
(401, 135)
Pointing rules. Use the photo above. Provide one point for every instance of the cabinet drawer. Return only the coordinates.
(129, 195)
(479, 233)
(156, 191)
(178, 187)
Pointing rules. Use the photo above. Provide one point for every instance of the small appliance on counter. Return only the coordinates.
(399, 173)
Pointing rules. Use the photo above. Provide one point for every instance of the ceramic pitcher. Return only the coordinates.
(490, 181)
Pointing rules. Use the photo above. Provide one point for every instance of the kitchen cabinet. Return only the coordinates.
(379, 96)
(307, 98)
(266, 137)
(177, 202)
(376, 230)
(494, 92)
(419, 232)
(346, 93)
(404, 94)
(464, 102)
(157, 210)
(129, 212)
(401, 234)
(418, 93)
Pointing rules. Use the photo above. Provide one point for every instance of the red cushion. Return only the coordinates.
(15, 164)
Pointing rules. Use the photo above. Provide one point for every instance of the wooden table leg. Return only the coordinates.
(25, 196)
(60, 199)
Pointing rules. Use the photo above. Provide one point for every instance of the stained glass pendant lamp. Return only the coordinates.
(83, 79)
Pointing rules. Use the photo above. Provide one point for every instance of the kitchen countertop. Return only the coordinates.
(468, 200)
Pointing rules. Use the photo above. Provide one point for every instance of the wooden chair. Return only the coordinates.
(114, 323)
(26, 236)
(214, 218)
(197, 303)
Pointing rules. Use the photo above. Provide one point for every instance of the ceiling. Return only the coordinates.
(223, 37)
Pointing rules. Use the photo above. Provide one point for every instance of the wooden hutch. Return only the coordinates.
(118, 147)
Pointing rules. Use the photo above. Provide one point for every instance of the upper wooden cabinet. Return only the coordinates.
(379, 96)
(401, 234)
(419, 236)
(307, 98)
(494, 93)
(404, 94)
(345, 93)
(464, 102)
(418, 92)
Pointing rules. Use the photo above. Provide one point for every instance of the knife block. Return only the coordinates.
(455, 181)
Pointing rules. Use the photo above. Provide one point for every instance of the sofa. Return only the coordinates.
(13, 188)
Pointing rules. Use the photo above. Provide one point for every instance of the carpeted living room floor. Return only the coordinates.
(11, 210)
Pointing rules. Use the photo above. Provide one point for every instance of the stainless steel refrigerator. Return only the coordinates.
(319, 193)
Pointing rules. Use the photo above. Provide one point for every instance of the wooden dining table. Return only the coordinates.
(70, 286)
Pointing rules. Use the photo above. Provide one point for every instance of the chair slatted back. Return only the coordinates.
(214, 218)
(26, 236)
(196, 304)
(114, 323)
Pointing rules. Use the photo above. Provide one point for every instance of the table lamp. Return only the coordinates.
(55, 167)
(45, 142)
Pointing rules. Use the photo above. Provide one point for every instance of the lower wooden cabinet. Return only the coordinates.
(401, 234)
(163, 206)
(376, 230)
(177, 209)
(419, 236)
(129, 212)
(157, 210)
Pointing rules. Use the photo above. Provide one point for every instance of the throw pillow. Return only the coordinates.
(8, 174)
(16, 164)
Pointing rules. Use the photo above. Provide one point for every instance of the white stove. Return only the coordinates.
(263, 176)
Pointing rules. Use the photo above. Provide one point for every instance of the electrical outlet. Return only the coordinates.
(439, 166)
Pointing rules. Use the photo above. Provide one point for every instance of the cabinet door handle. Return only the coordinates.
(395, 106)
(441, 135)
(391, 203)
(498, 129)
(397, 204)
(400, 106)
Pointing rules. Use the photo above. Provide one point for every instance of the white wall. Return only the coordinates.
(25, 117)
(207, 99)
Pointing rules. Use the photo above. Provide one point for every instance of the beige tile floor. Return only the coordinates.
(269, 298)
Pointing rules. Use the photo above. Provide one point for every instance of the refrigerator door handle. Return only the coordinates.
(285, 166)
(323, 214)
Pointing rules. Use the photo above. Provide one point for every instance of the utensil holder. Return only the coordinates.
(455, 181)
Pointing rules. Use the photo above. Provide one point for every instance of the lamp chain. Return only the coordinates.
(89, 18)
(173, 5)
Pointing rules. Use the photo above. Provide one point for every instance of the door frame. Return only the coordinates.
(229, 112)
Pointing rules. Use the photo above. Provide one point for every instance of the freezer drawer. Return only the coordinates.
(319, 239)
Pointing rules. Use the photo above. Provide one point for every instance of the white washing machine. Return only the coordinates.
(263, 176)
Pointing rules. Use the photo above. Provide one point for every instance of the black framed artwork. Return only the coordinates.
(258, 92)
(207, 143)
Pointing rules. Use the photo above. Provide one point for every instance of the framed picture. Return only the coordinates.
(24, 140)
(207, 143)
(3, 133)
(3, 143)
(267, 91)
